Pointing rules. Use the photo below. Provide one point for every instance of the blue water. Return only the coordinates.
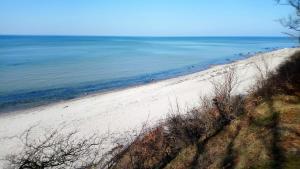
(35, 70)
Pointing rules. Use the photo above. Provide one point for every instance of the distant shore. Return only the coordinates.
(126, 109)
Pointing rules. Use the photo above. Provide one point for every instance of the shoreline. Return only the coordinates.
(35, 105)
(127, 109)
(104, 92)
(107, 91)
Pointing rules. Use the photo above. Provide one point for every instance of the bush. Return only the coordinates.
(286, 79)
(213, 114)
(56, 150)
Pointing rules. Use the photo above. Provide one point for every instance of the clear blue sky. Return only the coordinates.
(142, 17)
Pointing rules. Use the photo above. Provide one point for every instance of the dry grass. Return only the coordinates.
(184, 159)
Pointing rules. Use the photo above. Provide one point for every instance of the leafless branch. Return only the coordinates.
(57, 150)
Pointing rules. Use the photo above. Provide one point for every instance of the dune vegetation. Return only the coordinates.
(258, 130)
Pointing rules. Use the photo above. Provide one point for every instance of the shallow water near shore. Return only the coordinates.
(36, 70)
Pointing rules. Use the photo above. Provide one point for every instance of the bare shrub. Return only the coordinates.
(185, 129)
(214, 112)
(288, 75)
(57, 150)
(262, 86)
(222, 89)
(263, 68)
(122, 157)
(150, 148)
(227, 105)
(285, 79)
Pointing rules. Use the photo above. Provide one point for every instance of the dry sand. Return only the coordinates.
(127, 109)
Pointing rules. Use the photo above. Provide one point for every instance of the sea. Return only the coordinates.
(38, 70)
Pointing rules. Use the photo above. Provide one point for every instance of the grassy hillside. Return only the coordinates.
(267, 136)
(259, 130)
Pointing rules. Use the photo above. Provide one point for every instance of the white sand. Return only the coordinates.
(126, 109)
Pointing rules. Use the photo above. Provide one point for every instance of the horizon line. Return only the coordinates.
(167, 36)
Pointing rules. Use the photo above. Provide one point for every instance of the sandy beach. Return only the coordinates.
(128, 109)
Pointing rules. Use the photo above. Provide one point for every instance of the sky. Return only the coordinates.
(142, 17)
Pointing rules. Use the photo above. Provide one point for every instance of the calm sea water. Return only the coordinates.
(35, 70)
